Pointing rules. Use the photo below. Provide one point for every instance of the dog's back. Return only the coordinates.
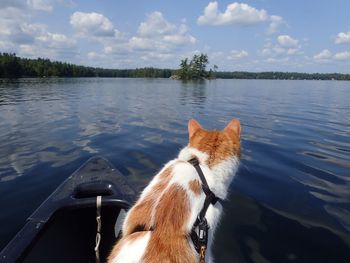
(159, 220)
(157, 228)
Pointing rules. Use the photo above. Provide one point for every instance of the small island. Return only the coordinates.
(195, 69)
(12, 66)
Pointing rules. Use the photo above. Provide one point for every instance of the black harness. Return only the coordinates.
(200, 240)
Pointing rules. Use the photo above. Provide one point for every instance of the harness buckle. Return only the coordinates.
(203, 232)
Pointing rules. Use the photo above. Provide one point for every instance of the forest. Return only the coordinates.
(12, 66)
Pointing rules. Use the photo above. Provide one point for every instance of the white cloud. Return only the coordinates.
(323, 55)
(158, 56)
(179, 39)
(275, 23)
(116, 48)
(93, 24)
(326, 56)
(42, 5)
(343, 38)
(27, 50)
(54, 40)
(155, 24)
(287, 41)
(51, 50)
(237, 54)
(285, 46)
(273, 51)
(15, 26)
(33, 29)
(95, 56)
(6, 46)
(342, 55)
(157, 43)
(239, 14)
(180, 36)
(157, 33)
(108, 49)
(140, 43)
(235, 14)
(157, 29)
(20, 35)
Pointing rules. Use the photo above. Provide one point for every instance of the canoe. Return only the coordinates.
(64, 227)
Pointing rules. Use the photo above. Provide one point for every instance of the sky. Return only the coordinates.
(258, 35)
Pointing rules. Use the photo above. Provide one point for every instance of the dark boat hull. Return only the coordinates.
(63, 228)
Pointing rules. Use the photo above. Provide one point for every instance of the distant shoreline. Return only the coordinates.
(12, 66)
(2, 79)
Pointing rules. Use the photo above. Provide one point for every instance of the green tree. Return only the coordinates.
(184, 71)
(195, 69)
(10, 66)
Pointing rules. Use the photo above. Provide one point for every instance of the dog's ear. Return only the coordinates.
(234, 126)
(193, 127)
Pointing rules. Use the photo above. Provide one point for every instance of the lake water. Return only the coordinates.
(290, 201)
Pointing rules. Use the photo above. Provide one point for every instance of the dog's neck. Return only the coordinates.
(218, 176)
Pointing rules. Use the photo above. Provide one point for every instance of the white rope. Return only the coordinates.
(98, 233)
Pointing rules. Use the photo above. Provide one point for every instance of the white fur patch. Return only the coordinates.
(188, 152)
(132, 252)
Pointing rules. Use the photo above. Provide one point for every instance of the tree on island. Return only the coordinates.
(195, 69)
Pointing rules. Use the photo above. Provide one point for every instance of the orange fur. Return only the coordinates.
(140, 216)
(195, 187)
(168, 242)
(219, 145)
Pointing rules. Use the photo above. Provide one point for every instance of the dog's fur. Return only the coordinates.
(157, 227)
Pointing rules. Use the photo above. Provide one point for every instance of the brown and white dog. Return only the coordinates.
(157, 228)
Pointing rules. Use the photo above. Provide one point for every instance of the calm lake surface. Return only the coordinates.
(290, 201)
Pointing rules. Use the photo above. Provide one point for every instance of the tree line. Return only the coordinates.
(196, 69)
(281, 75)
(12, 66)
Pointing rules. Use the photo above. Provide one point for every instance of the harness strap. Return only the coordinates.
(200, 239)
(205, 186)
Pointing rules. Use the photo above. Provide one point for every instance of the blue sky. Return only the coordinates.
(260, 35)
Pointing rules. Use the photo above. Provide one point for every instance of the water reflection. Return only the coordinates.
(194, 92)
(290, 201)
